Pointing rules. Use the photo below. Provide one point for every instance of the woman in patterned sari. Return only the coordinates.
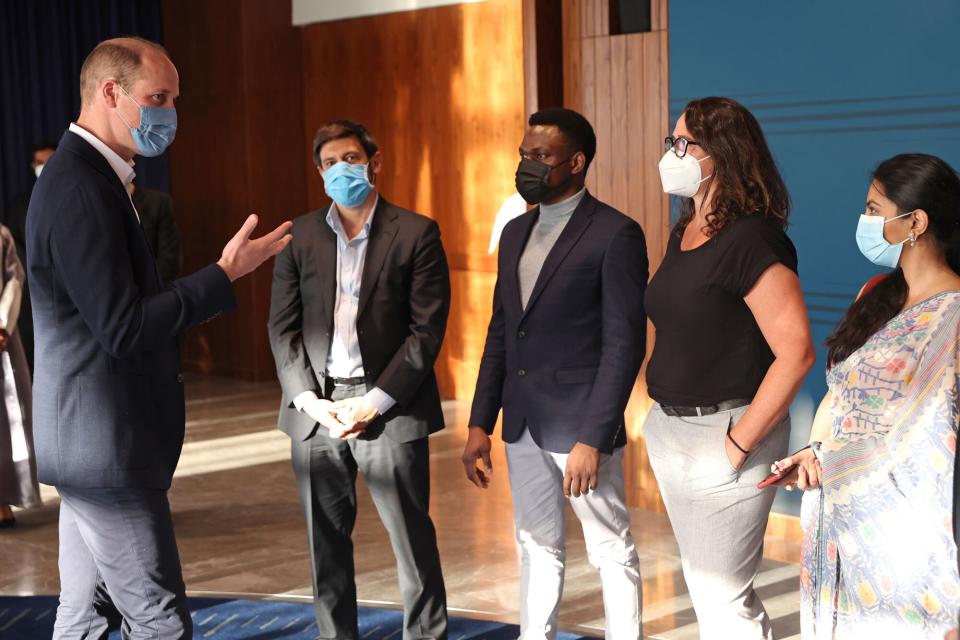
(879, 556)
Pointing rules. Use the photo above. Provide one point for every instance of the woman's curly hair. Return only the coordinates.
(745, 179)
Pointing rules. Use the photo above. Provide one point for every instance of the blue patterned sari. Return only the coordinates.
(879, 558)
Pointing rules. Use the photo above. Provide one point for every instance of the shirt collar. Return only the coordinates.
(123, 168)
(333, 219)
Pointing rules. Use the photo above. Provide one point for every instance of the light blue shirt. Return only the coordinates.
(344, 359)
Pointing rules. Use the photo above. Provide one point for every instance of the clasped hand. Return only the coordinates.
(344, 419)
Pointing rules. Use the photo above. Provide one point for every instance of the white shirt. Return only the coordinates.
(123, 168)
(344, 359)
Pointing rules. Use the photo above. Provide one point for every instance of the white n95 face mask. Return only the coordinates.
(680, 176)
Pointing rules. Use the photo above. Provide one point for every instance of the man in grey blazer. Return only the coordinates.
(357, 316)
(108, 393)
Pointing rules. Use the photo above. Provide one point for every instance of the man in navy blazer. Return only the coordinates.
(564, 346)
(108, 392)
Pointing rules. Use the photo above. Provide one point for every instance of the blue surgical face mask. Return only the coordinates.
(873, 245)
(347, 184)
(158, 127)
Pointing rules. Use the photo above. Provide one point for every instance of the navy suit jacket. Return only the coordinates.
(108, 393)
(565, 366)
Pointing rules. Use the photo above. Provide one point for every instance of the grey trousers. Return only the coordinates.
(119, 558)
(718, 515)
(398, 475)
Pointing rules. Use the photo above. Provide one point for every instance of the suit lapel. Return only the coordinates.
(327, 267)
(512, 249)
(382, 232)
(571, 233)
(76, 144)
(85, 150)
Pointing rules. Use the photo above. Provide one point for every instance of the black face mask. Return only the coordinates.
(532, 178)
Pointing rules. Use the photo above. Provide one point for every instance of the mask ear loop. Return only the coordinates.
(117, 109)
(698, 162)
(546, 176)
(912, 238)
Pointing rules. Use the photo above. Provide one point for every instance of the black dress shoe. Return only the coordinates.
(8, 523)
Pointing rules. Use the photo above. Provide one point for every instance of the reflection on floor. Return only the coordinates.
(241, 531)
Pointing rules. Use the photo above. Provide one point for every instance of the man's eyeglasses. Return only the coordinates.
(678, 144)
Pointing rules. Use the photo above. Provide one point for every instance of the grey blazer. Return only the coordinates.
(401, 318)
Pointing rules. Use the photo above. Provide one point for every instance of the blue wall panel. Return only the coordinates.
(837, 87)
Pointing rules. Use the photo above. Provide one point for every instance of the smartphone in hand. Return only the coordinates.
(776, 476)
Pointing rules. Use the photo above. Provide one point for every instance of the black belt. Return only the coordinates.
(686, 412)
(347, 382)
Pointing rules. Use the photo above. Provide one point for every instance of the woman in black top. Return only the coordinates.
(732, 347)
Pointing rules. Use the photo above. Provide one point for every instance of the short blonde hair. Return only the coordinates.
(119, 58)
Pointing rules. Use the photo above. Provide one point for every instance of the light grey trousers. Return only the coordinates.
(718, 515)
(536, 482)
(119, 559)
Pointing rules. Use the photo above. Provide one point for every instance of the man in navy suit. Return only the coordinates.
(563, 350)
(108, 392)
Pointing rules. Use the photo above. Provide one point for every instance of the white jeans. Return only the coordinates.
(536, 481)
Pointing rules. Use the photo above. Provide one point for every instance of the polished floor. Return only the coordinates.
(240, 529)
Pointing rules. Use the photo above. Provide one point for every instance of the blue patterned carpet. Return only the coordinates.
(31, 618)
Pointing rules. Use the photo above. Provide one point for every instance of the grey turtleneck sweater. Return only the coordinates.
(553, 218)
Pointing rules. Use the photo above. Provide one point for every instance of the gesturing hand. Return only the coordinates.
(581, 474)
(477, 448)
(242, 255)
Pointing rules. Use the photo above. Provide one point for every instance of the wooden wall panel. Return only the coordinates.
(607, 146)
(620, 170)
(542, 55)
(237, 151)
(656, 126)
(620, 84)
(588, 97)
(572, 59)
(603, 17)
(442, 90)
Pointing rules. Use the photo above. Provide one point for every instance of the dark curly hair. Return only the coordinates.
(912, 181)
(746, 181)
